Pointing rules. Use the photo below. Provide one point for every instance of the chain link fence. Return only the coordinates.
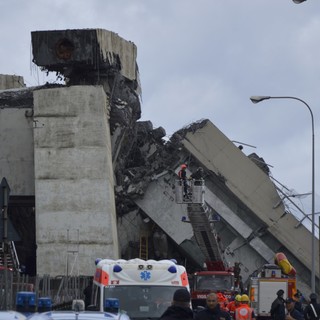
(61, 289)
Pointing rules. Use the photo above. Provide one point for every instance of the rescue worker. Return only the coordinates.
(212, 310)
(298, 303)
(312, 310)
(183, 179)
(180, 306)
(223, 301)
(244, 312)
(233, 305)
(198, 177)
(293, 313)
(278, 310)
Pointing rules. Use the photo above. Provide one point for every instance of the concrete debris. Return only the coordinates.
(159, 133)
(22, 97)
(259, 162)
(11, 81)
(84, 54)
(193, 127)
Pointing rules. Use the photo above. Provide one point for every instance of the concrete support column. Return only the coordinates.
(74, 187)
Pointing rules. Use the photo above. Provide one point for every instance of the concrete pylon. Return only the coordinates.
(74, 186)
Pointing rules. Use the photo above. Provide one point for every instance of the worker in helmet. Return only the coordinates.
(184, 181)
(233, 305)
(244, 312)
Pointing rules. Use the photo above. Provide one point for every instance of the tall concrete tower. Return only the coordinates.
(65, 162)
(73, 151)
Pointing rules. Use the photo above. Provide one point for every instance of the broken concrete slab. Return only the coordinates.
(81, 53)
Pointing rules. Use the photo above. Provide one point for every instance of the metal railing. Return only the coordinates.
(62, 289)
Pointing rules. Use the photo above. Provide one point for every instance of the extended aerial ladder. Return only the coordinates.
(218, 276)
(200, 217)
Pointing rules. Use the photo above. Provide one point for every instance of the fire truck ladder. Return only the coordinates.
(143, 254)
(202, 224)
(205, 234)
(11, 256)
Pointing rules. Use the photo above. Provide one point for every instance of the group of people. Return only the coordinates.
(180, 308)
(239, 308)
(292, 308)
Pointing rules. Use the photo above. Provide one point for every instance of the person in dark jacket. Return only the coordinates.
(298, 303)
(312, 310)
(212, 310)
(293, 313)
(88, 293)
(184, 180)
(198, 177)
(180, 306)
(278, 310)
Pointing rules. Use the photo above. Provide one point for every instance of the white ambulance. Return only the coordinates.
(144, 288)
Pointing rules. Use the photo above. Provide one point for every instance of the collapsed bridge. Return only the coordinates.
(90, 180)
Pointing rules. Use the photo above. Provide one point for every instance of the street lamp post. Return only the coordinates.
(257, 99)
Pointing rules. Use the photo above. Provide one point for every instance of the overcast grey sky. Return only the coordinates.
(203, 59)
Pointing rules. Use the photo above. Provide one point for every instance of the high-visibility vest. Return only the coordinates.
(244, 312)
(231, 306)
